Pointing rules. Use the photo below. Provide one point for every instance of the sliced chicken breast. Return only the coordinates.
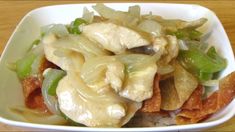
(113, 37)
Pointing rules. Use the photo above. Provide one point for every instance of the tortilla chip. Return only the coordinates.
(170, 99)
(32, 93)
(153, 104)
(227, 90)
(195, 100)
(209, 106)
(175, 91)
(212, 104)
(183, 120)
(36, 101)
(29, 85)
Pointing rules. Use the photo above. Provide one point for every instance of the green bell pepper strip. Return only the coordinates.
(204, 76)
(23, 66)
(49, 85)
(51, 80)
(31, 62)
(213, 54)
(74, 27)
(194, 35)
(196, 59)
(35, 66)
(187, 34)
(34, 43)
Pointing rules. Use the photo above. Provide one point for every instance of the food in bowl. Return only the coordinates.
(122, 69)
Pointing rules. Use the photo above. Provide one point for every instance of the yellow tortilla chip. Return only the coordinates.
(176, 90)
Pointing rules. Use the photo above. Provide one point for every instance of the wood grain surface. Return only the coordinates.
(12, 12)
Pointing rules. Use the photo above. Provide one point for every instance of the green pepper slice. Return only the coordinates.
(196, 59)
(187, 34)
(23, 66)
(74, 27)
(51, 80)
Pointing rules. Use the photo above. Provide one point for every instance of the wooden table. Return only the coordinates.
(12, 11)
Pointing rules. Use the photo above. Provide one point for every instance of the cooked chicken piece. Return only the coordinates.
(172, 48)
(124, 74)
(159, 44)
(100, 73)
(153, 104)
(168, 46)
(114, 37)
(139, 85)
(115, 75)
(85, 106)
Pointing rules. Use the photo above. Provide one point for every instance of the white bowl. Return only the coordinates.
(29, 29)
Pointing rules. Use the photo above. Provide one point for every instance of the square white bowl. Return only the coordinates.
(29, 29)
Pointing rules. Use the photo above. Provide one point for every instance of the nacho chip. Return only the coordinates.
(175, 91)
(209, 106)
(195, 100)
(212, 104)
(153, 104)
